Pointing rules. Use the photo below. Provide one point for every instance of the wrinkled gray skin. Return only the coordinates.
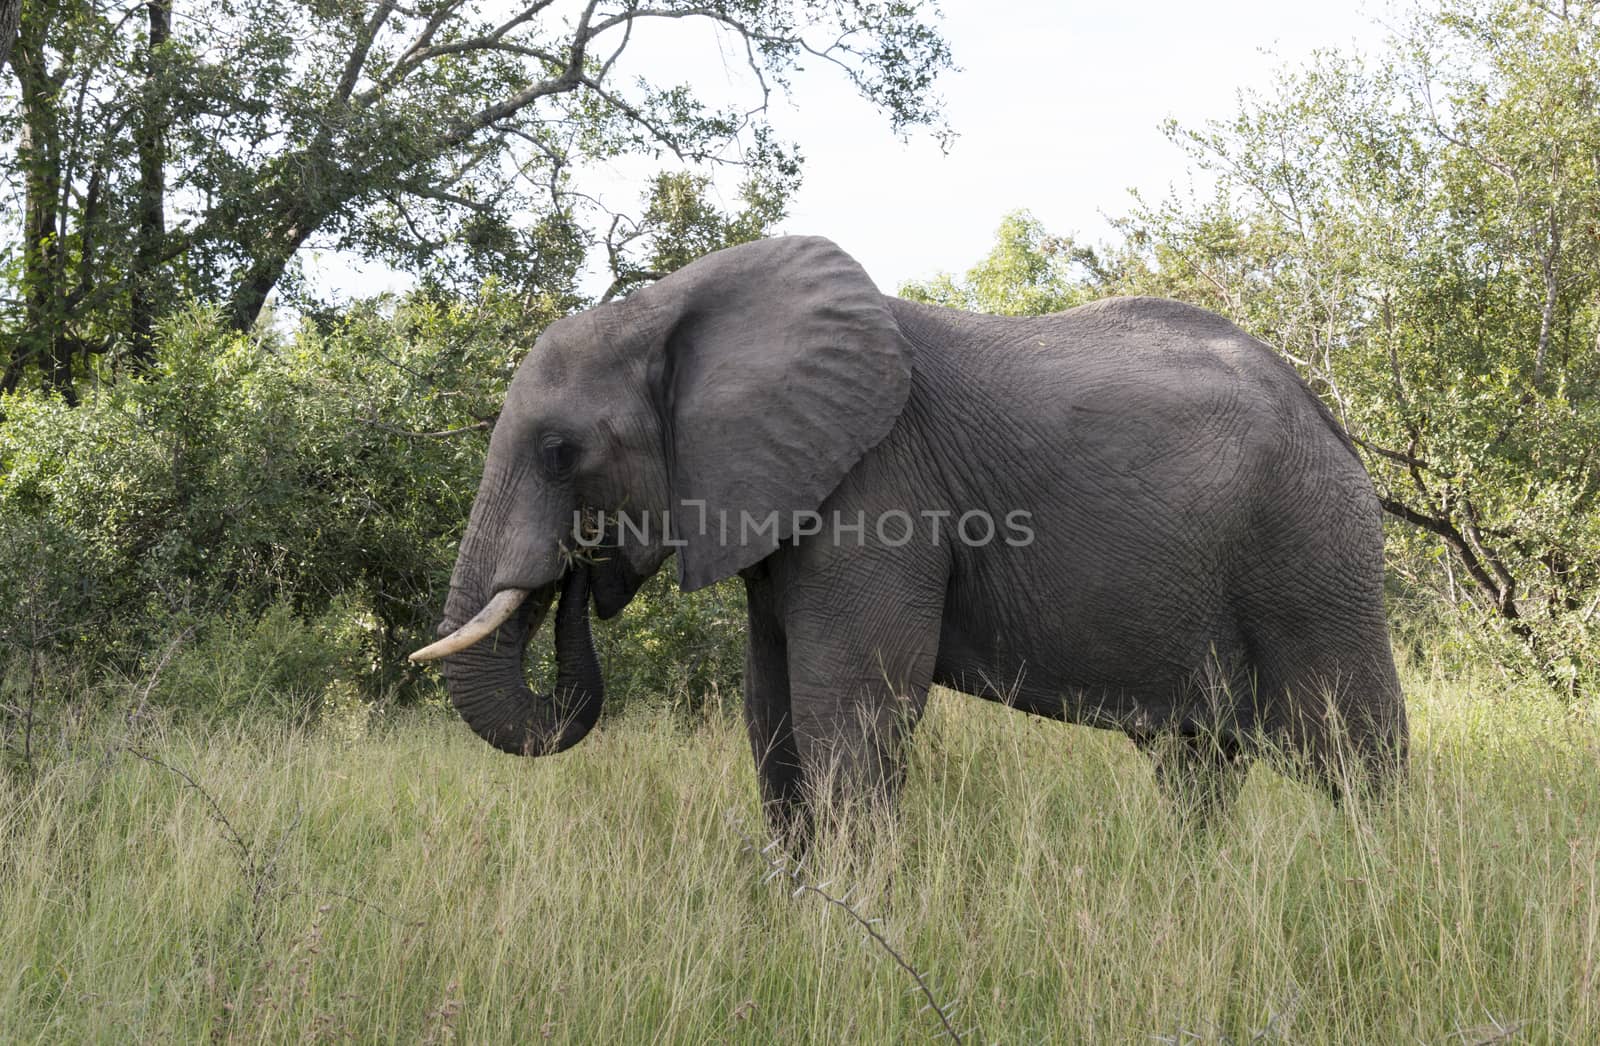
(1205, 570)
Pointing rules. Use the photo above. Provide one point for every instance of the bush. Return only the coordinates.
(294, 504)
(245, 474)
(278, 664)
(686, 651)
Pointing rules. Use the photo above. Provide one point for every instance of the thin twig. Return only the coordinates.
(778, 866)
(235, 839)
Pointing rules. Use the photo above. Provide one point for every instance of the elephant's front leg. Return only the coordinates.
(766, 714)
(860, 664)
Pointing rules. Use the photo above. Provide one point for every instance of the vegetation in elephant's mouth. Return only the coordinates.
(1036, 876)
(584, 544)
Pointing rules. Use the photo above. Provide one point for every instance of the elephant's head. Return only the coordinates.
(745, 384)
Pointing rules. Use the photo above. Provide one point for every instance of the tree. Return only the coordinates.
(1028, 273)
(163, 159)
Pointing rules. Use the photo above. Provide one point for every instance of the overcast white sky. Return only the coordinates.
(1058, 106)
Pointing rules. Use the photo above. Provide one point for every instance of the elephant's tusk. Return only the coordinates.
(492, 616)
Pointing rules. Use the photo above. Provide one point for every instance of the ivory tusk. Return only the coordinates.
(492, 616)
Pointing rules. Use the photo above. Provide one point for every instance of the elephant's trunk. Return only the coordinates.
(486, 681)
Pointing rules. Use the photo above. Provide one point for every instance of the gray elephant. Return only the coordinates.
(1131, 515)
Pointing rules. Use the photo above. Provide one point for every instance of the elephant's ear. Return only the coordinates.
(781, 365)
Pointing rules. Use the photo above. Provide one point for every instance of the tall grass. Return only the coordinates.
(410, 884)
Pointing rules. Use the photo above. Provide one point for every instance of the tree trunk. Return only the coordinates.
(10, 18)
(43, 340)
(271, 257)
(152, 233)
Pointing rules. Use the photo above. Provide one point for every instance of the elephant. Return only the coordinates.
(1131, 515)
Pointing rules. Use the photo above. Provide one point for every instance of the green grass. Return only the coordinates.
(410, 884)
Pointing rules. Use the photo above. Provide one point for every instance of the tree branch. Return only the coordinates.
(1393, 455)
(1463, 549)
(628, 279)
(358, 56)
(569, 79)
(661, 134)
(421, 50)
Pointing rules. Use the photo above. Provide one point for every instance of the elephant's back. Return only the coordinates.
(1156, 365)
(1159, 336)
(1159, 341)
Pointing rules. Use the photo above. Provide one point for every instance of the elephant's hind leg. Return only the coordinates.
(1311, 612)
(1339, 717)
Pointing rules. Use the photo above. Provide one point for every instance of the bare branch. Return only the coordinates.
(422, 50)
(1506, 169)
(605, 67)
(404, 63)
(1393, 455)
(627, 280)
(661, 134)
(433, 192)
(569, 79)
(1507, 584)
(1453, 537)
(358, 56)
(779, 866)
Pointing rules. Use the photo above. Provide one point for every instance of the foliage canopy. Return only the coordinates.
(161, 154)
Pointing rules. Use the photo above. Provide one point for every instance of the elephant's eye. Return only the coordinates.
(559, 454)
